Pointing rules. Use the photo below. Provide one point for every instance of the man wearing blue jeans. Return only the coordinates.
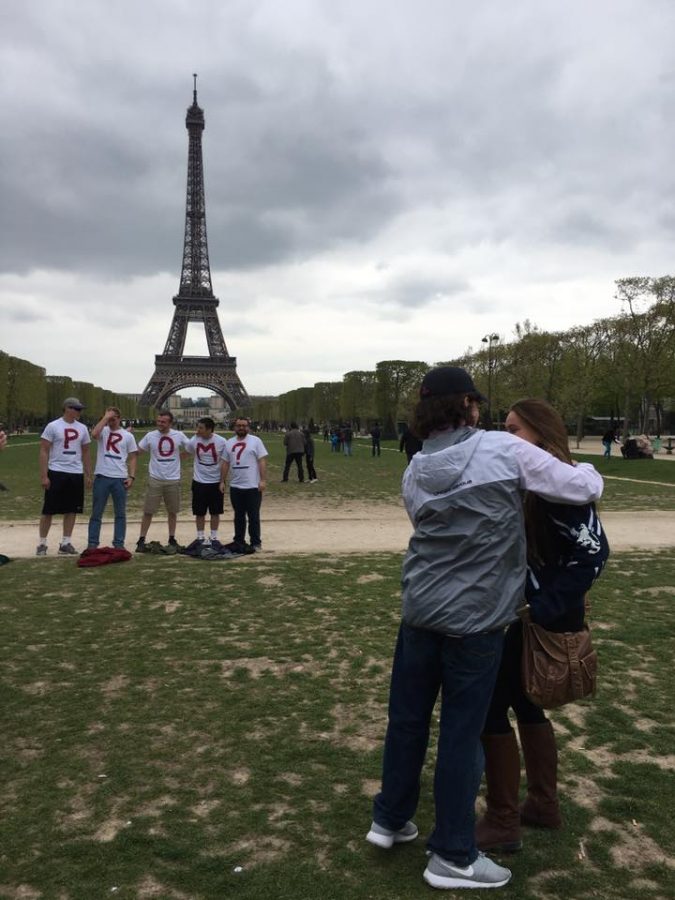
(245, 461)
(114, 475)
(463, 579)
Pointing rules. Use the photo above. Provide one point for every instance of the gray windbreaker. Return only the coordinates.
(464, 571)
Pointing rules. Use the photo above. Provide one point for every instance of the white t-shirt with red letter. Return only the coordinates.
(67, 440)
(208, 453)
(164, 452)
(243, 454)
(113, 450)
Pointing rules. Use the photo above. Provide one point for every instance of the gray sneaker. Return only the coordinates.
(386, 838)
(482, 873)
(67, 550)
(41, 550)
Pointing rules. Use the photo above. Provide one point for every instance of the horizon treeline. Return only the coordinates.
(28, 396)
(621, 368)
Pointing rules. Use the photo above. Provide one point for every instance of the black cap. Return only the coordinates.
(449, 380)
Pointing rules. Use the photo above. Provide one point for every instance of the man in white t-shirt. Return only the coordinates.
(64, 463)
(114, 475)
(208, 450)
(246, 463)
(164, 446)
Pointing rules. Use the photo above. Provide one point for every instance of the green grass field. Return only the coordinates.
(167, 722)
(340, 477)
(179, 729)
(648, 484)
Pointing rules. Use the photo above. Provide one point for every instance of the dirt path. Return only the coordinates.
(352, 527)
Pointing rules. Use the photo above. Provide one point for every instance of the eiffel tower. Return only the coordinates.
(195, 301)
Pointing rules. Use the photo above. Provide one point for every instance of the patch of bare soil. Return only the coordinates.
(301, 526)
(255, 852)
(149, 887)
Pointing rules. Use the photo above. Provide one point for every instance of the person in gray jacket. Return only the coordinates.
(294, 442)
(463, 579)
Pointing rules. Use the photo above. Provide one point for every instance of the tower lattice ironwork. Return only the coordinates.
(195, 301)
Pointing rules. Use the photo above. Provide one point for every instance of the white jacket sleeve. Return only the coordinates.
(553, 480)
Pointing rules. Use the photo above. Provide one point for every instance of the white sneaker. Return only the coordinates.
(482, 873)
(386, 838)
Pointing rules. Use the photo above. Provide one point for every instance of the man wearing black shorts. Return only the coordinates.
(207, 489)
(65, 462)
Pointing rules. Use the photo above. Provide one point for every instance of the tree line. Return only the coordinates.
(620, 369)
(28, 396)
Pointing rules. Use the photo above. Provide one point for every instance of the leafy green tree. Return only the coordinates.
(58, 388)
(579, 380)
(396, 382)
(646, 339)
(296, 405)
(26, 392)
(357, 399)
(4, 384)
(327, 401)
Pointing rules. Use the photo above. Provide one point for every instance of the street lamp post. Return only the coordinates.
(490, 339)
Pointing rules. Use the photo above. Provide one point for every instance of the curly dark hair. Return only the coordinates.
(437, 413)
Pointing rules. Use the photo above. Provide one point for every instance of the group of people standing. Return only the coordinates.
(479, 559)
(66, 468)
(504, 530)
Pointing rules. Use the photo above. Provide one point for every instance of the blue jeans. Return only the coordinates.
(103, 488)
(464, 669)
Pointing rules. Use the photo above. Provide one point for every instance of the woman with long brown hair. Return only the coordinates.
(566, 551)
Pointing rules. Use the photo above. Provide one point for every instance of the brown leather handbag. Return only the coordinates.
(558, 667)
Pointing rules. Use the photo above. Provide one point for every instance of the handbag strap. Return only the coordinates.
(572, 643)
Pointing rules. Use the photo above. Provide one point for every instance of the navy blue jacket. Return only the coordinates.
(556, 590)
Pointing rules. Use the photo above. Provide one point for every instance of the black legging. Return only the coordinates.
(508, 690)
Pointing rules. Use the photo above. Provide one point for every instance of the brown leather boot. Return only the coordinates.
(541, 807)
(499, 829)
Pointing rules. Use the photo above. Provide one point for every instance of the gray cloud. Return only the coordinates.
(375, 148)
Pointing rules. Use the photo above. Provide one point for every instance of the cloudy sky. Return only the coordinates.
(383, 180)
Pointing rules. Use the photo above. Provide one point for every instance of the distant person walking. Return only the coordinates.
(65, 462)
(309, 455)
(294, 442)
(164, 446)
(410, 443)
(609, 438)
(347, 437)
(375, 435)
(114, 475)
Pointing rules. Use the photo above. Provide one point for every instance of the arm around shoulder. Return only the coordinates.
(554, 480)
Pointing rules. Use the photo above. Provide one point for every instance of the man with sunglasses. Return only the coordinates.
(65, 463)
